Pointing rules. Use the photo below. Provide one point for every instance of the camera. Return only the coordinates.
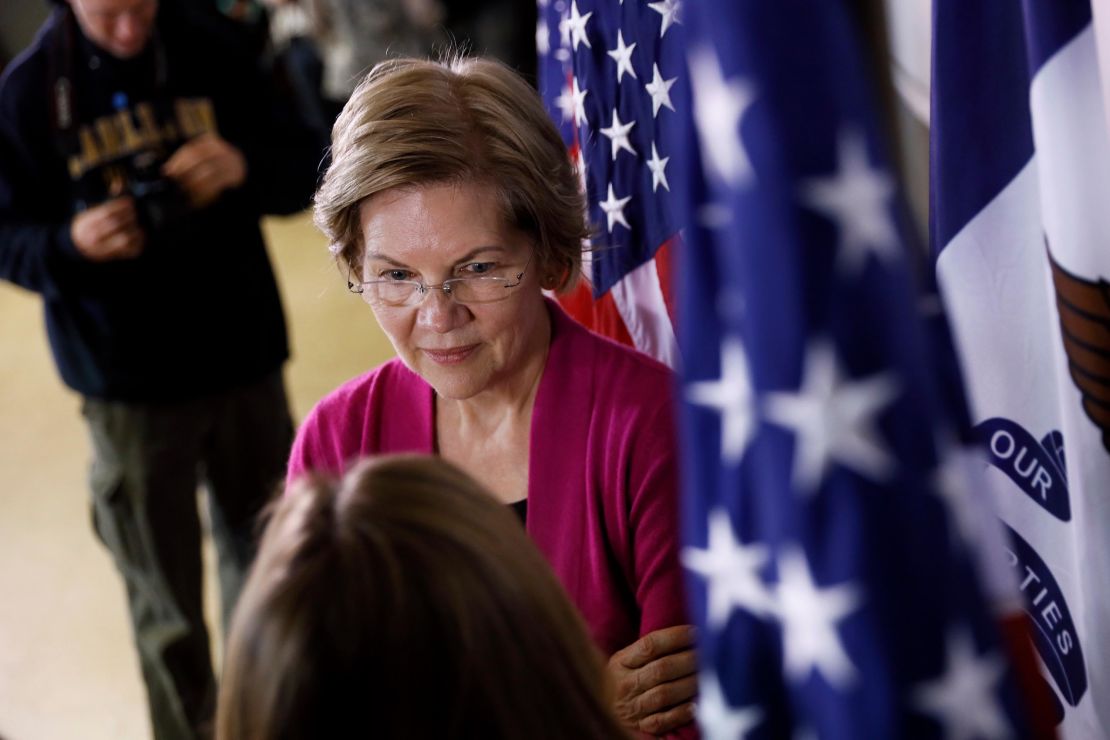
(159, 202)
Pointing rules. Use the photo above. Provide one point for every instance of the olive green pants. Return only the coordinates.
(148, 461)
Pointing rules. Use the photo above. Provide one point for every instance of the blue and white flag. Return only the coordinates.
(1021, 233)
(830, 573)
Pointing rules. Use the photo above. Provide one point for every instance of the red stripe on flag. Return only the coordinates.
(664, 266)
(601, 315)
(1038, 703)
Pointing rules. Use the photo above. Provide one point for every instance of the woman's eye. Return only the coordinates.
(396, 275)
(479, 268)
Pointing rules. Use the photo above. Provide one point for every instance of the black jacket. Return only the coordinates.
(199, 311)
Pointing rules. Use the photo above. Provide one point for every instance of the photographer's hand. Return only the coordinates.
(108, 231)
(205, 167)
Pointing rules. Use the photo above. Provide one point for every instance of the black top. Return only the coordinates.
(199, 311)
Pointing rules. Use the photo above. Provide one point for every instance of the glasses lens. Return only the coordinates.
(479, 290)
(390, 293)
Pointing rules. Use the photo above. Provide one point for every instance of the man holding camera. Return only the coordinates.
(138, 149)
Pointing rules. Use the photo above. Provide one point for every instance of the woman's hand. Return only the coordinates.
(655, 679)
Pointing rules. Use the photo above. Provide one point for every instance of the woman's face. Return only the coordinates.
(438, 232)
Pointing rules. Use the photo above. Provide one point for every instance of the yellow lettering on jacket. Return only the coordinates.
(131, 140)
(195, 116)
(126, 132)
(148, 126)
(89, 154)
(109, 136)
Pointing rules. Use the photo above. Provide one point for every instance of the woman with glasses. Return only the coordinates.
(451, 205)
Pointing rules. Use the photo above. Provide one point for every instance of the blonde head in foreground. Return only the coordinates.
(404, 602)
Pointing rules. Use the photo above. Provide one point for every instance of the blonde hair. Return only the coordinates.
(414, 122)
(404, 601)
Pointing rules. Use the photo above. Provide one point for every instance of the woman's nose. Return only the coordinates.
(439, 312)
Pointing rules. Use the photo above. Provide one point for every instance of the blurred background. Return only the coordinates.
(67, 668)
(67, 665)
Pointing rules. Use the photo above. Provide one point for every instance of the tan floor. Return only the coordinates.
(67, 668)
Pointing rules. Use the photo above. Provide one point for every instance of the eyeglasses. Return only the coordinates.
(465, 290)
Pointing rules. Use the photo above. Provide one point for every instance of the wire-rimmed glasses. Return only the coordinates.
(464, 290)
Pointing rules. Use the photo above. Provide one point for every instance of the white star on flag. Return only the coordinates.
(731, 396)
(659, 90)
(669, 10)
(952, 481)
(577, 25)
(964, 698)
(720, 106)
(617, 134)
(614, 209)
(809, 616)
(658, 168)
(833, 420)
(543, 38)
(714, 216)
(622, 55)
(730, 570)
(717, 719)
(858, 199)
(565, 103)
(578, 100)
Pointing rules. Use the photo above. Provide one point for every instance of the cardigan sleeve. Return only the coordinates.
(306, 451)
(653, 523)
(334, 432)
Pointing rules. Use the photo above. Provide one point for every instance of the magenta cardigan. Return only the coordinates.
(602, 482)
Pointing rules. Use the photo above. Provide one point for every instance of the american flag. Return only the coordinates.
(612, 74)
(826, 507)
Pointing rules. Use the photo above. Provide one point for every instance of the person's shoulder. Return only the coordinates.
(27, 77)
(344, 424)
(632, 398)
(614, 360)
(629, 389)
(631, 360)
(27, 71)
(361, 390)
(202, 22)
(204, 35)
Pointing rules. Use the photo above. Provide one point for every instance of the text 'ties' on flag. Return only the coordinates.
(612, 74)
(830, 568)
